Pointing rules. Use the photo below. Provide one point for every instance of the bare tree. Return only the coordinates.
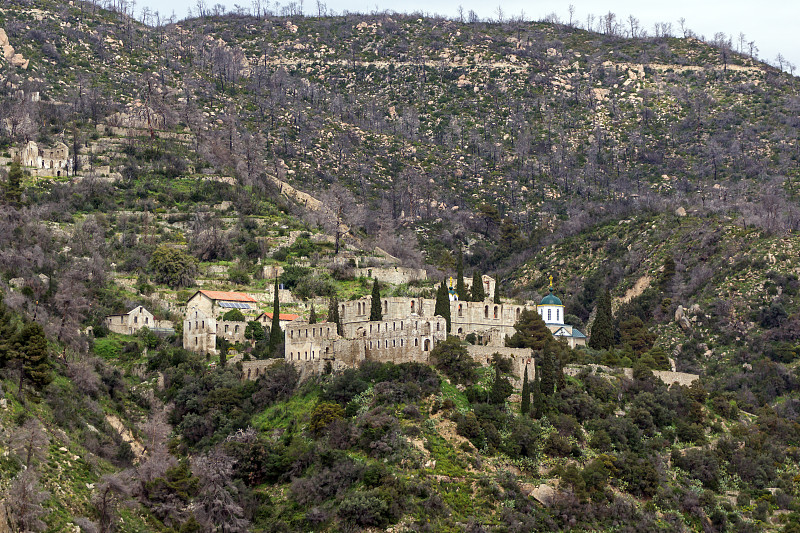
(24, 501)
(29, 442)
(217, 507)
(110, 491)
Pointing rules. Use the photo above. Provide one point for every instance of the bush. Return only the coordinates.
(452, 359)
(172, 267)
(234, 315)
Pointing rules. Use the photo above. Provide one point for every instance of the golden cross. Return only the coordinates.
(551, 281)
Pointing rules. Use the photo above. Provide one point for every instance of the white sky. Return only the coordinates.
(772, 24)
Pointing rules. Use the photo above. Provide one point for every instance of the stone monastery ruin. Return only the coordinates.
(408, 331)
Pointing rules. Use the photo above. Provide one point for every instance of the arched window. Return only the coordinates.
(495, 311)
(460, 331)
(517, 313)
(412, 306)
(486, 311)
(416, 342)
(427, 345)
(385, 306)
(459, 310)
(342, 311)
(437, 326)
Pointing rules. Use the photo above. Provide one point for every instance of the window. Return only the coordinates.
(226, 328)
(486, 312)
(385, 306)
(437, 326)
(136, 320)
(495, 311)
(427, 345)
(459, 310)
(412, 306)
(558, 312)
(416, 342)
(549, 318)
(517, 313)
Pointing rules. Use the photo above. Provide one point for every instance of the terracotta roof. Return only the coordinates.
(284, 316)
(229, 296)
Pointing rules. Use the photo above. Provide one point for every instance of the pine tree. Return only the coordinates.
(31, 346)
(333, 315)
(442, 307)
(375, 313)
(531, 332)
(461, 289)
(603, 332)
(14, 185)
(477, 288)
(497, 292)
(526, 393)
(275, 332)
(667, 273)
(312, 316)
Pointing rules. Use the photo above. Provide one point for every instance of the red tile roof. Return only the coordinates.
(284, 316)
(229, 296)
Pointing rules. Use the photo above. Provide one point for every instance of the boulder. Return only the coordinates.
(695, 309)
(544, 494)
(681, 212)
(679, 313)
(685, 324)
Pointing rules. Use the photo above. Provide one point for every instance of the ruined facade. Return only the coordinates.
(203, 323)
(55, 158)
(405, 340)
(490, 322)
(133, 321)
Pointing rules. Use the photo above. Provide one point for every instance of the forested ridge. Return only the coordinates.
(654, 177)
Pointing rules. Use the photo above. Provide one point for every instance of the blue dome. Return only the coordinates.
(550, 299)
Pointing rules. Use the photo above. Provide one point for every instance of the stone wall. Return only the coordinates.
(252, 370)
(667, 376)
(520, 358)
(396, 275)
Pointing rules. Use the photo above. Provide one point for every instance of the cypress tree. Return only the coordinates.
(477, 288)
(496, 291)
(538, 398)
(312, 316)
(461, 289)
(375, 313)
(547, 381)
(275, 332)
(603, 334)
(333, 315)
(442, 307)
(526, 393)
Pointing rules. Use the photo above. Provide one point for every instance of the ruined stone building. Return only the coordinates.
(409, 339)
(55, 159)
(133, 321)
(490, 322)
(203, 323)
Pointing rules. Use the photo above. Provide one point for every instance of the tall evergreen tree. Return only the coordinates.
(312, 316)
(461, 288)
(333, 315)
(526, 393)
(31, 347)
(478, 295)
(536, 391)
(497, 291)
(14, 184)
(275, 332)
(546, 368)
(603, 333)
(531, 332)
(442, 307)
(375, 313)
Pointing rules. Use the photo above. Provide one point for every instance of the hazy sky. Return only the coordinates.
(772, 24)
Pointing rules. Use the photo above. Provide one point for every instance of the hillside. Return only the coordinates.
(231, 152)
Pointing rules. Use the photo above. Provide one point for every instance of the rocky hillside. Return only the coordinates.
(657, 176)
